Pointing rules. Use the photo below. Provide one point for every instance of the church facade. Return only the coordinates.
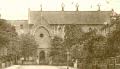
(44, 25)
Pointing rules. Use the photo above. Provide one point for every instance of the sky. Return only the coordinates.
(18, 9)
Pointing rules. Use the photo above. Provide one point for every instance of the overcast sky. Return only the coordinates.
(18, 9)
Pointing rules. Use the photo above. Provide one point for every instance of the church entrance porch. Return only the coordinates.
(43, 56)
(43, 39)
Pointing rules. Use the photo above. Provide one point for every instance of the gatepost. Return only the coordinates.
(75, 64)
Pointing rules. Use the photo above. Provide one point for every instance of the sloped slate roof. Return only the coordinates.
(17, 22)
(70, 17)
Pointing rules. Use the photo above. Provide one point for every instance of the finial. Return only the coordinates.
(62, 5)
(112, 10)
(99, 7)
(77, 7)
(41, 6)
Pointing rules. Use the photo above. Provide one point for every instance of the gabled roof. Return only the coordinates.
(70, 17)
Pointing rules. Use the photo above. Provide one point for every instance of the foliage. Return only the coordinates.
(28, 45)
(57, 50)
(113, 39)
(57, 42)
(8, 37)
(73, 34)
(6, 33)
(94, 45)
(77, 51)
(4, 26)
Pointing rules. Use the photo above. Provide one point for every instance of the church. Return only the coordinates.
(44, 25)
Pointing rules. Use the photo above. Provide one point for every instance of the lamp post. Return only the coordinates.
(68, 59)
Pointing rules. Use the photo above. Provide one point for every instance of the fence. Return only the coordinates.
(110, 63)
(62, 59)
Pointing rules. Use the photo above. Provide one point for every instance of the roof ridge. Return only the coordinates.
(70, 11)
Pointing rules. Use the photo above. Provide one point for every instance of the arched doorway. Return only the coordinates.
(42, 57)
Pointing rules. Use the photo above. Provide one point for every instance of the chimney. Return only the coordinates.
(62, 5)
(77, 7)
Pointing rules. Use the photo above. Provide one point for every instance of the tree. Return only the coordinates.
(28, 46)
(57, 50)
(8, 40)
(94, 45)
(6, 32)
(73, 34)
(113, 38)
(77, 51)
